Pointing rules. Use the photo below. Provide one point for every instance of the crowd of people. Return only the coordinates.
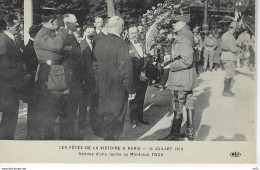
(100, 71)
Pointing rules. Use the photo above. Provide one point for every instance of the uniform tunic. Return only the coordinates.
(183, 78)
(229, 53)
(210, 44)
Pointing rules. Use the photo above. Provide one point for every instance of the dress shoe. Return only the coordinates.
(134, 122)
(143, 122)
(170, 137)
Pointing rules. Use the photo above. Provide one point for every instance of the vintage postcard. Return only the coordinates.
(128, 81)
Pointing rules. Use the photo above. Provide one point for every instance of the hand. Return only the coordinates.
(163, 64)
(60, 21)
(131, 96)
(143, 77)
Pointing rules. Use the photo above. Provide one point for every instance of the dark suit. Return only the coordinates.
(97, 38)
(10, 82)
(115, 77)
(88, 85)
(136, 105)
(31, 63)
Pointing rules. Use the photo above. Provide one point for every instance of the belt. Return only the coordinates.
(50, 62)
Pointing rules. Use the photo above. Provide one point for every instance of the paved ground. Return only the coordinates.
(218, 118)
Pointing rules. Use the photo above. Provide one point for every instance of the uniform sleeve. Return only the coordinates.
(126, 68)
(56, 43)
(215, 43)
(234, 46)
(185, 51)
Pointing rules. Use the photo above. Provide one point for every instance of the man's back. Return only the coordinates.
(115, 73)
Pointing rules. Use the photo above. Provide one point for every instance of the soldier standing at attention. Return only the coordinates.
(210, 45)
(182, 79)
(229, 56)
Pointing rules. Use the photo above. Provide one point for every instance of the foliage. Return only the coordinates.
(11, 7)
(164, 15)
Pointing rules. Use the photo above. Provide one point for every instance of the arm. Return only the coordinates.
(56, 43)
(185, 60)
(126, 68)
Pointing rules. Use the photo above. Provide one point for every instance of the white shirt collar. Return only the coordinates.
(88, 40)
(98, 31)
(10, 35)
(112, 32)
(31, 39)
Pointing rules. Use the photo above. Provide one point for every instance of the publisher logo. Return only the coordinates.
(235, 154)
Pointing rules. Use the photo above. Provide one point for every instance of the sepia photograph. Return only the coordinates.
(128, 81)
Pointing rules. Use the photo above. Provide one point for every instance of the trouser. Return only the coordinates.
(33, 120)
(10, 107)
(229, 68)
(196, 67)
(87, 95)
(83, 104)
(208, 57)
(182, 98)
(165, 77)
(136, 105)
(54, 106)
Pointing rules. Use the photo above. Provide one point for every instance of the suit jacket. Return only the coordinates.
(10, 62)
(87, 73)
(115, 74)
(98, 37)
(137, 61)
(182, 74)
(30, 57)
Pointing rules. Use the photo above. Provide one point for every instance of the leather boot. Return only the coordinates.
(175, 129)
(190, 125)
(227, 92)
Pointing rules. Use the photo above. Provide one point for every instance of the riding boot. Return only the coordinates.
(177, 120)
(227, 92)
(175, 129)
(190, 125)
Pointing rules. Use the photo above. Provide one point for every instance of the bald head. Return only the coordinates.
(116, 24)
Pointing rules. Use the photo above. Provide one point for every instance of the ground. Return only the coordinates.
(217, 118)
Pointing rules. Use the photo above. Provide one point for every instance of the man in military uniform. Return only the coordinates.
(210, 45)
(182, 79)
(229, 56)
(52, 86)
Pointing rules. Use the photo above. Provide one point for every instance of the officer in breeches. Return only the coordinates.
(182, 79)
